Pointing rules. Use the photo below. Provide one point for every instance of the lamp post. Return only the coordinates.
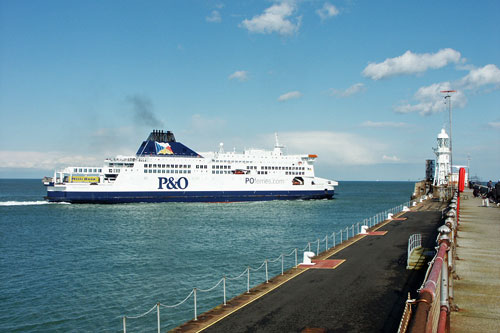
(448, 96)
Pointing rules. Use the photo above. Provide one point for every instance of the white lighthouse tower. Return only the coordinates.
(443, 162)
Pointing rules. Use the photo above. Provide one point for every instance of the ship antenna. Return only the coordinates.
(277, 146)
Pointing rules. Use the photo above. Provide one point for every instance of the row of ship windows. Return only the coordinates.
(252, 167)
(280, 168)
(166, 171)
(185, 166)
(86, 170)
(223, 167)
(291, 173)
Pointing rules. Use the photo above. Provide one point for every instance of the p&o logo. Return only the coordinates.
(172, 184)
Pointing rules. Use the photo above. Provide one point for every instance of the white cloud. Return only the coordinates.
(276, 18)
(328, 10)
(392, 158)
(494, 124)
(289, 95)
(354, 89)
(239, 75)
(489, 74)
(431, 100)
(214, 17)
(44, 160)
(383, 124)
(411, 63)
(334, 148)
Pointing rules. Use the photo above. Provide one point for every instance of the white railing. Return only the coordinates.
(415, 241)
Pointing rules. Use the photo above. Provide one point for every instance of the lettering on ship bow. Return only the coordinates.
(172, 184)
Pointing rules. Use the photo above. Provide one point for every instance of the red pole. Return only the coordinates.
(443, 319)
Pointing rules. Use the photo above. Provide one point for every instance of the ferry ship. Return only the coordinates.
(164, 170)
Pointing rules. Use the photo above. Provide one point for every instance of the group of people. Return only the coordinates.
(490, 193)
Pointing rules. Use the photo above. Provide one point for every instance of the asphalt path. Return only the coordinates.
(366, 293)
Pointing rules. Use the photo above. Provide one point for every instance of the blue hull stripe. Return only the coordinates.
(181, 196)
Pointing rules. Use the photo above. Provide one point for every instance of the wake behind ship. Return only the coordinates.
(164, 170)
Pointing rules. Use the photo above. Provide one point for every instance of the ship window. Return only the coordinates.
(176, 166)
(189, 171)
(79, 170)
(213, 171)
(154, 165)
(145, 171)
(100, 170)
(75, 170)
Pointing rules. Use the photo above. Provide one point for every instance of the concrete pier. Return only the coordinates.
(477, 289)
(365, 293)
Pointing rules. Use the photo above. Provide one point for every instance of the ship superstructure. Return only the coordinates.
(164, 170)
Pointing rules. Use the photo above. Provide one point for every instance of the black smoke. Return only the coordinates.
(142, 111)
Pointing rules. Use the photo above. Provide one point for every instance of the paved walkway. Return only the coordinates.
(366, 293)
(477, 292)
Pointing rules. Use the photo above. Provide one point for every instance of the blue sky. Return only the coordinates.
(356, 82)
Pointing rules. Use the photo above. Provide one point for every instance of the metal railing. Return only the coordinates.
(436, 294)
(414, 242)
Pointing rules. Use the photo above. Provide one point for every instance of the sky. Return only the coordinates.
(356, 82)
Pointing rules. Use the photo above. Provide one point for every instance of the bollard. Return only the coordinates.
(307, 258)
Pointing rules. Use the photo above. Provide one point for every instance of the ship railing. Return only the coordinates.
(327, 243)
(120, 159)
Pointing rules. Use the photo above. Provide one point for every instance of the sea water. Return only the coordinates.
(80, 267)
